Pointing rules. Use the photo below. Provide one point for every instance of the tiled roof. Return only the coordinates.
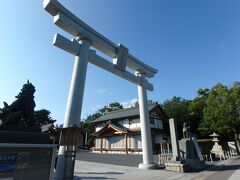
(116, 127)
(123, 113)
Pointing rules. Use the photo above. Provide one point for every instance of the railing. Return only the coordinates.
(223, 156)
(164, 156)
(94, 149)
(167, 156)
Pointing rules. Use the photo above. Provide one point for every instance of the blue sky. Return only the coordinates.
(193, 44)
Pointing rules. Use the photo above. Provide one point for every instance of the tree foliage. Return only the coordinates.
(195, 110)
(177, 108)
(110, 107)
(213, 110)
(222, 111)
(42, 117)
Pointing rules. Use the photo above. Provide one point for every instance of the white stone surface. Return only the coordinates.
(75, 99)
(174, 139)
(199, 153)
(66, 20)
(145, 122)
(147, 166)
(70, 23)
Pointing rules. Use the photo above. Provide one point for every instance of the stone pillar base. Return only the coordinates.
(147, 166)
(176, 166)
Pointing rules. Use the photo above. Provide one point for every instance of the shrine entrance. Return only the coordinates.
(86, 37)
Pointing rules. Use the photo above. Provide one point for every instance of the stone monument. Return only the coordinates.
(216, 149)
(186, 130)
(186, 153)
(176, 164)
(25, 152)
(19, 114)
(190, 151)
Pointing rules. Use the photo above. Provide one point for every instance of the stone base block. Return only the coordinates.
(176, 166)
(147, 166)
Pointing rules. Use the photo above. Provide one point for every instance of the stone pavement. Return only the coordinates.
(116, 159)
(90, 170)
(229, 169)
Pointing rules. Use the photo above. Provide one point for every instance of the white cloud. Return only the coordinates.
(127, 104)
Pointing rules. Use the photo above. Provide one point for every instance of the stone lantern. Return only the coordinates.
(216, 149)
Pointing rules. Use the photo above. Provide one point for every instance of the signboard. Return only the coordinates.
(72, 136)
(26, 161)
(8, 162)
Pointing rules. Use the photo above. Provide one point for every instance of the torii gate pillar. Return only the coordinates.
(74, 104)
(145, 125)
(122, 60)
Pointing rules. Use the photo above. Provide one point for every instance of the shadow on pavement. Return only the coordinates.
(98, 172)
(224, 168)
(89, 177)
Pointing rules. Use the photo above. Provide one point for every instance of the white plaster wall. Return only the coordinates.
(98, 127)
(116, 142)
(125, 123)
(135, 124)
(97, 142)
(138, 141)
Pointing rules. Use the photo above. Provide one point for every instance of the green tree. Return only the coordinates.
(177, 108)
(195, 110)
(221, 112)
(42, 117)
(110, 107)
(88, 127)
(234, 107)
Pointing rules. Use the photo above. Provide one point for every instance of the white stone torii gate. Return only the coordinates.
(85, 37)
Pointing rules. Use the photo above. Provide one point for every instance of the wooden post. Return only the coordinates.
(126, 144)
(101, 145)
(161, 146)
(130, 144)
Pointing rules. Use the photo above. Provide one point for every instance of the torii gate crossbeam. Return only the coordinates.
(85, 37)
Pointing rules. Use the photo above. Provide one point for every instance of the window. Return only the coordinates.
(151, 120)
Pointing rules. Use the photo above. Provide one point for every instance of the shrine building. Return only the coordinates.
(120, 131)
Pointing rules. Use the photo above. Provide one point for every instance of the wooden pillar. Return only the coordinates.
(101, 144)
(126, 144)
(161, 146)
(130, 144)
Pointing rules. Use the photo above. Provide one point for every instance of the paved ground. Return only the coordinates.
(99, 166)
(229, 169)
(116, 159)
(90, 170)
